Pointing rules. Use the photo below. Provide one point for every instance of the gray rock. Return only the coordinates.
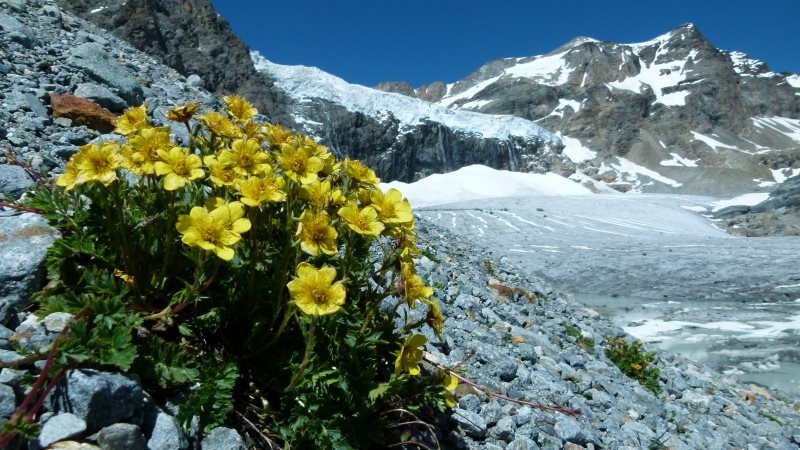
(194, 80)
(102, 96)
(14, 180)
(167, 435)
(470, 402)
(24, 239)
(56, 322)
(570, 430)
(93, 59)
(18, 31)
(7, 401)
(222, 438)
(522, 443)
(100, 398)
(121, 436)
(504, 429)
(60, 427)
(8, 356)
(473, 424)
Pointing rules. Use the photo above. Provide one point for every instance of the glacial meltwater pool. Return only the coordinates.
(759, 342)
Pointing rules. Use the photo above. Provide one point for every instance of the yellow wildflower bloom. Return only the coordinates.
(277, 135)
(215, 230)
(316, 193)
(329, 164)
(362, 221)
(314, 291)
(132, 120)
(239, 108)
(361, 173)
(98, 162)
(412, 286)
(435, 319)
(70, 175)
(245, 157)
(178, 166)
(298, 162)
(183, 113)
(143, 147)
(253, 130)
(316, 234)
(128, 279)
(410, 355)
(393, 208)
(449, 383)
(635, 366)
(219, 174)
(220, 125)
(254, 191)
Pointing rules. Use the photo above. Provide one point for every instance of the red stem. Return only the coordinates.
(23, 208)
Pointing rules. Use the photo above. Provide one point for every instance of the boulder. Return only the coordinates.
(81, 111)
(94, 61)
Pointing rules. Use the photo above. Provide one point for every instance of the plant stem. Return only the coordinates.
(306, 357)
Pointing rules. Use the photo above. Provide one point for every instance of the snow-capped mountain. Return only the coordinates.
(402, 137)
(671, 114)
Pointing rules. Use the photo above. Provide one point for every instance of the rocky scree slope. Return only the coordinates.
(779, 215)
(45, 50)
(192, 38)
(673, 114)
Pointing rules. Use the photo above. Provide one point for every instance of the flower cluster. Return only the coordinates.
(634, 362)
(279, 208)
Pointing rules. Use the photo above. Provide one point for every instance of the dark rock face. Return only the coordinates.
(779, 215)
(187, 35)
(645, 102)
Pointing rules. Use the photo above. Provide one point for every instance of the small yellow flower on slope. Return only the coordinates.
(183, 113)
(239, 108)
(220, 125)
(314, 291)
(217, 230)
(144, 147)
(219, 174)
(257, 190)
(393, 208)
(277, 135)
(245, 156)
(449, 383)
(361, 173)
(412, 287)
(132, 120)
(316, 234)
(410, 355)
(70, 175)
(98, 162)
(298, 161)
(179, 166)
(434, 318)
(362, 221)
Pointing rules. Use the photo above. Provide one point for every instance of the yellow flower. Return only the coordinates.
(361, 173)
(449, 383)
(435, 319)
(183, 113)
(220, 125)
(216, 230)
(98, 162)
(70, 175)
(256, 190)
(253, 130)
(410, 355)
(314, 291)
(128, 279)
(219, 174)
(132, 120)
(144, 147)
(277, 135)
(316, 234)
(635, 366)
(393, 208)
(239, 108)
(179, 166)
(316, 193)
(245, 156)
(298, 161)
(413, 287)
(362, 221)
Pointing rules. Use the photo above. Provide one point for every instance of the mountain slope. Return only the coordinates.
(404, 138)
(671, 114)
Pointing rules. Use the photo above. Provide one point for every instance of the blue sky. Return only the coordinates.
(368, 41)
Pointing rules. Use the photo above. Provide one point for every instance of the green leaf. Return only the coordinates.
(379, 391)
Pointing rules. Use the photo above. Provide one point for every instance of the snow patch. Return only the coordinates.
(711, 142)
(304, 82)
(784, 125)
(97, 10)
(794, 81)
(632, 169)
(781, 175)
(679, 161)
(574, 150)
(477, 182)
(742, 200)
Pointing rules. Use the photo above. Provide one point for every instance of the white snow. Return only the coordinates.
(781, 175)
(97, 10)
(744, 65)
(310, 82)
(653, 328)
(700, 209)
(711, 142)
(793, 80)
(574, 150)
(679, 161)
(744, 200)
(631, 169)
(551, 70)
(784, 125)
(658, 76)
(477, 182)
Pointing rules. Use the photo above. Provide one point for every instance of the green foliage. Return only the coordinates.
(250, 271)
(585, 342)
(487, 264)
(634, 362)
